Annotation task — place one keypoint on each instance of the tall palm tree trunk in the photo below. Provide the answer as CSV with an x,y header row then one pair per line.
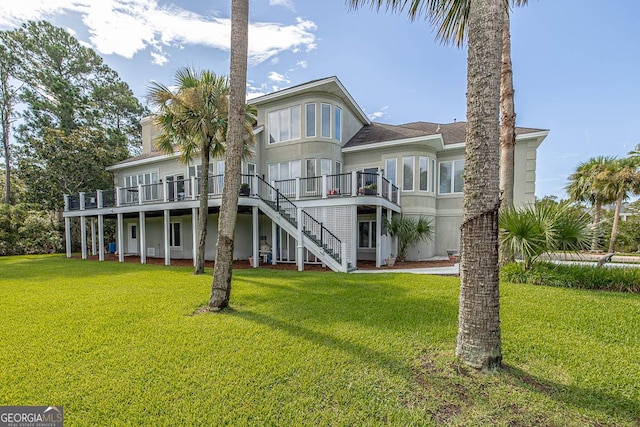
x,y
478,341
614,226
595,239
221,288
203,207
508,122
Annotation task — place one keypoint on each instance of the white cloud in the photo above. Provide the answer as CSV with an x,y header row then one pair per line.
x,y
284,3
378,114
159,58
302,64
277,77
125,27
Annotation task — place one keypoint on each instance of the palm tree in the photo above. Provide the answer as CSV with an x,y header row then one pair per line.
x,y
584,186
409,231
620,178
478,342
193,120
221,287
451,18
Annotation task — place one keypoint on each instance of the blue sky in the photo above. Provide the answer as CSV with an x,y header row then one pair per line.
x,y
575,68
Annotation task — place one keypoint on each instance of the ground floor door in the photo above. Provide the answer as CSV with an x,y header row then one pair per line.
x,y
132,238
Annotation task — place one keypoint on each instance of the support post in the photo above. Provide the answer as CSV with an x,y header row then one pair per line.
x,y
66,202
256,236
297,188
354,183
324,186
354,244
93,236
194,233
194,194
274,242
143,237
167,241
300,247
345,261
140,197
379,185
82,202
120,238
101,237
118,196
67,234
100,199
83,236
378,236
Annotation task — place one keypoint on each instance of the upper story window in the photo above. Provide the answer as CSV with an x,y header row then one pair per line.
x,y
407,173
284,125
337,123
391,170
424,173
310,120
451,176
325,111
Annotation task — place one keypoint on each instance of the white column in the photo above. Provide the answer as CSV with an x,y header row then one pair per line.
x,y
300,247
297,188
354,245
194,193
378,236
120,227
118,196
194,232
167,242
82,202
354,183
324,186
142,232
379,185
256,236
67,234
83,236
66,202
343,249
274,240
100,199
93,236
140,197
101,237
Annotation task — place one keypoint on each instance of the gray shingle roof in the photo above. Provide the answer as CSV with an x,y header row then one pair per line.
x,y
452,133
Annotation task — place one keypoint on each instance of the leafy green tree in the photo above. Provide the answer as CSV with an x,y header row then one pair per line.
x,y
585,186
409,231
194,121
237,134
67,163
66,87
24,229
8,100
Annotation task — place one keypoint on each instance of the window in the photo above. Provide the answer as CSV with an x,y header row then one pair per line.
x,y
149,192
325,167
284,125
391,169
311,172
175,234
407,173
196,170
367,234
424,174
451,176
326,121
337,123
310,127
433,175
286,172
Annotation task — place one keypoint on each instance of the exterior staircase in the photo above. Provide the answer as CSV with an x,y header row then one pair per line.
x,y
315,237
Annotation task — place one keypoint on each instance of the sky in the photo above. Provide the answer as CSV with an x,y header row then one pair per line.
x,y
575,68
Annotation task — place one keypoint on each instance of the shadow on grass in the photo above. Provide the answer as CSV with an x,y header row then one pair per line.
x,y
587,398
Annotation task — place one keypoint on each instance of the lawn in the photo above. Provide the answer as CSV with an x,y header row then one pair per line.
x,y
119,344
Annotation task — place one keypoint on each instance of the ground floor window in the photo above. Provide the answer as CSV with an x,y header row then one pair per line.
x,y
367,234
175,234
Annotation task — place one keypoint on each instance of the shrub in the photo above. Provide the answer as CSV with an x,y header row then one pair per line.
x,y
574,276
534,230
25,230
409,231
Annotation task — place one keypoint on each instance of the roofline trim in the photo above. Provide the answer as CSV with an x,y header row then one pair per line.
x,y
139,162
393,143
311,85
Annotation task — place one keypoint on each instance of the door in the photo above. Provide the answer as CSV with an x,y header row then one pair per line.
x,y
175,187
132,239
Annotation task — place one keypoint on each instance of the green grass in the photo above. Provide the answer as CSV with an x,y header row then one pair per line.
x,y
118,344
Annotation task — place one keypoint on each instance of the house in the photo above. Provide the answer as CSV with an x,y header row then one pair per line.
x,y
321,179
